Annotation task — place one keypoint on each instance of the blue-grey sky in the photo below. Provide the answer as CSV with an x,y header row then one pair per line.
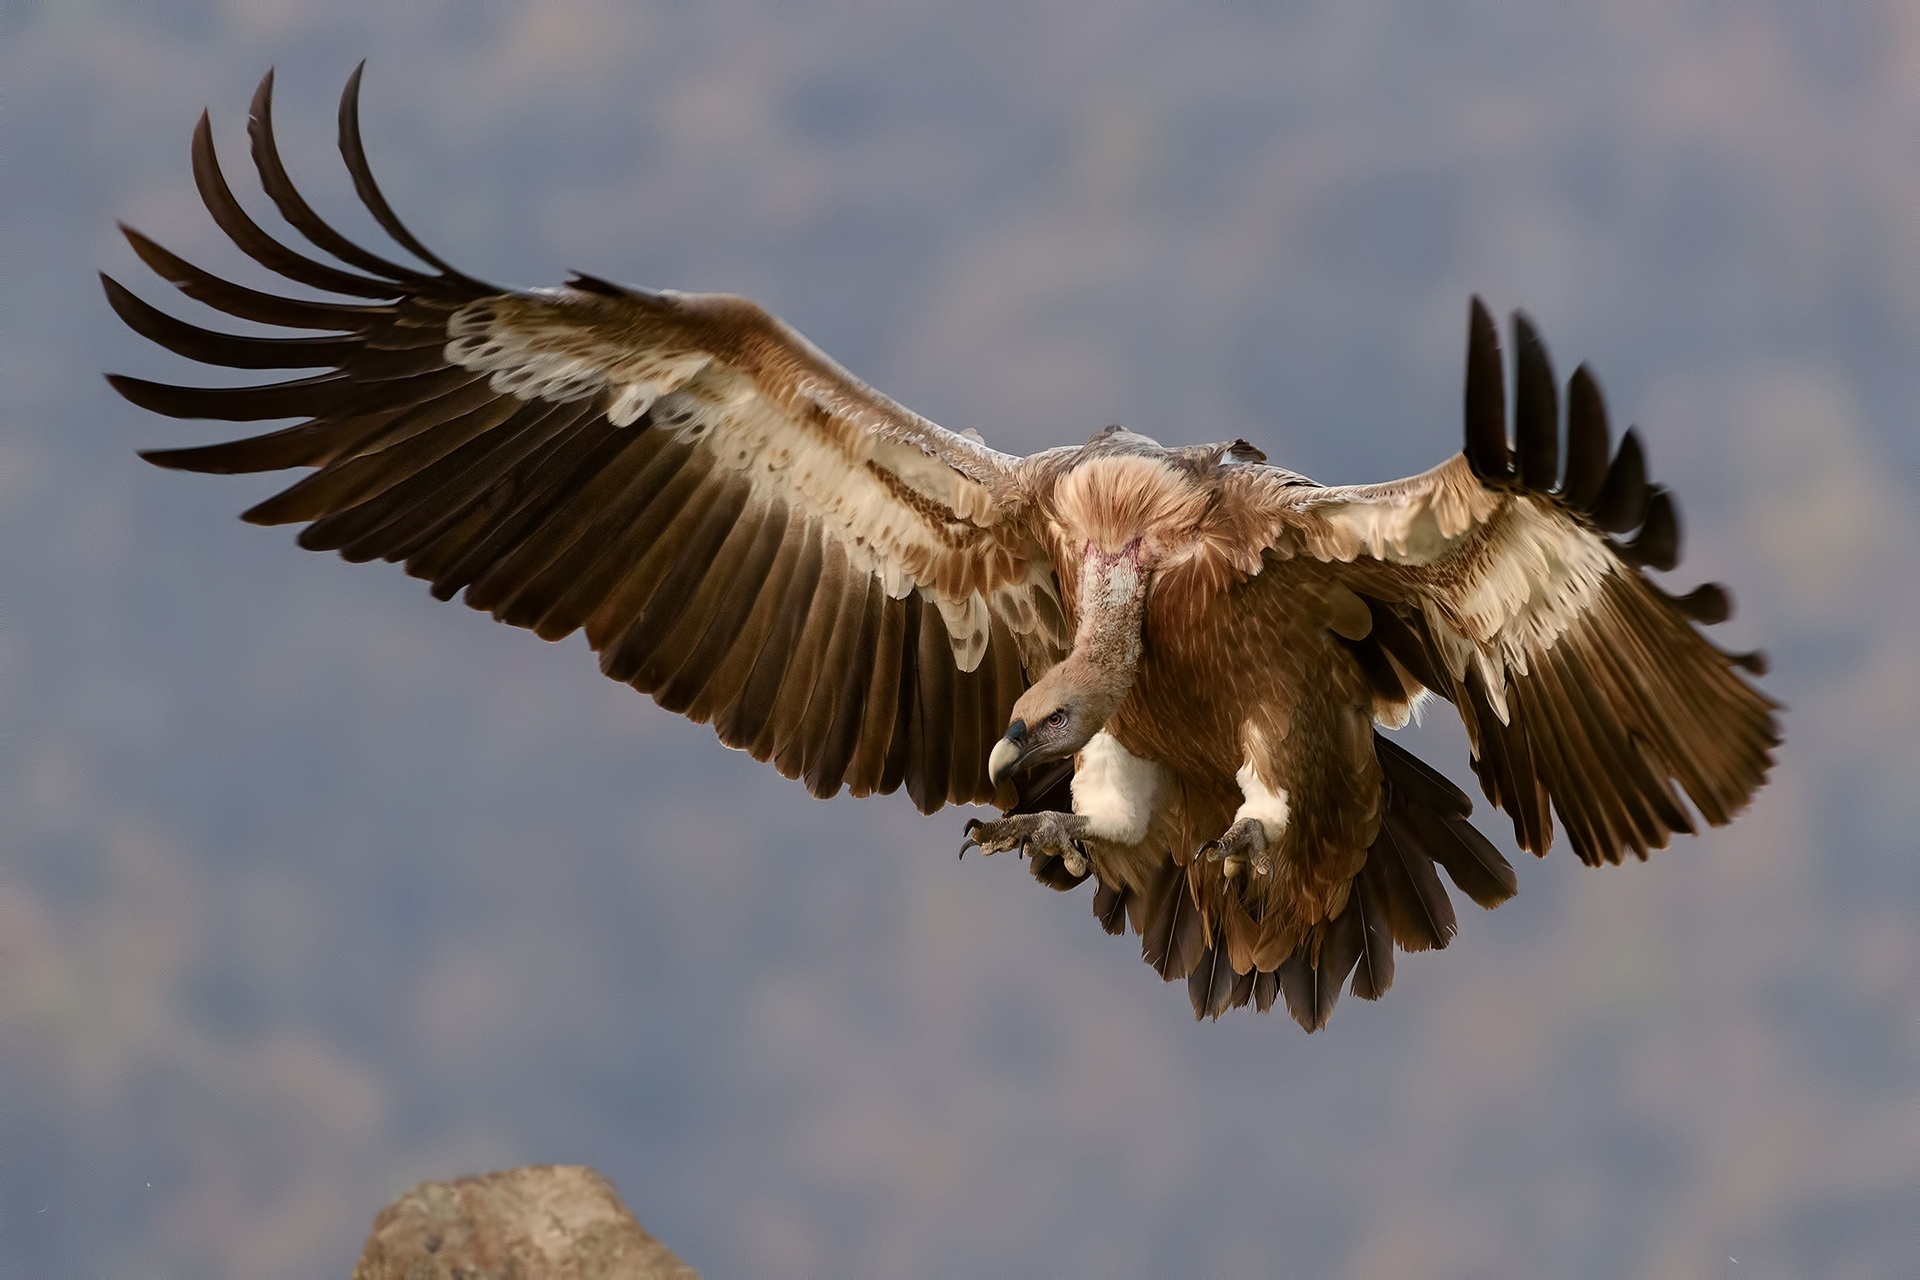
x,y
311,887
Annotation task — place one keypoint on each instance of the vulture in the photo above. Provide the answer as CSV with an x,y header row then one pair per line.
x,y
1171,670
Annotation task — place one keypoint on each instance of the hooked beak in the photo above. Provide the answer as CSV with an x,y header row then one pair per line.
x,y
1008,753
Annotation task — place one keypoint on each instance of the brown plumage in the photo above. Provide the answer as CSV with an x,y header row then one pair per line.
x,y
1171,669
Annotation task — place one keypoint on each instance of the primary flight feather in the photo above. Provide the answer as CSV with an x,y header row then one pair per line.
x,y
1169,668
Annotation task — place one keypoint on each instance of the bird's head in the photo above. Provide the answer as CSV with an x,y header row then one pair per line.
x,y
1051,721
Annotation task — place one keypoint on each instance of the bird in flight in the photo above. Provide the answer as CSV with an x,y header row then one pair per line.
x,y
1170,669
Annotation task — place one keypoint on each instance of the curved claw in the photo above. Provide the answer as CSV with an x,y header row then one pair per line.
x,y
1076,858
1243,845
1031,834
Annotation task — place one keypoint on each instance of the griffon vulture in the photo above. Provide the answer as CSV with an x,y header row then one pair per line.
x,y
1170,668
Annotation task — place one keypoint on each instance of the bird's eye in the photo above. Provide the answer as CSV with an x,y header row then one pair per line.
x,y
1057,719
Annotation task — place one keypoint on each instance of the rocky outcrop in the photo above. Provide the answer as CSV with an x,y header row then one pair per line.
x,y
540,1222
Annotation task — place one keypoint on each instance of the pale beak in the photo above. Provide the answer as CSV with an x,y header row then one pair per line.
x,y
1007,753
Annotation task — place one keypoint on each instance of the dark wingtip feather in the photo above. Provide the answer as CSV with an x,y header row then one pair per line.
x,y
170,459
247,235
1486,398
159,397
238,300
1658,545
301,398
1622,504
260,107
1588,442
1708,604
293,206
224,349
1536,418
353,151
233,457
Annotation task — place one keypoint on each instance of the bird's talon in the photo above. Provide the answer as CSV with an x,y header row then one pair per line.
x,y
1240,846
1031,835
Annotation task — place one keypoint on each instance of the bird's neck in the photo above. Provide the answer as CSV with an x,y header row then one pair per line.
x,y
1112,606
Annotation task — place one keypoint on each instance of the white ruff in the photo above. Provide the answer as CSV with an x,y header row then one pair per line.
x,y
1115,790
1267,806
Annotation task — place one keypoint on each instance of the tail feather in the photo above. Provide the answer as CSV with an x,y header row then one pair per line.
x,y
1312,983
1173,939
1417,907
1373,971
1110,906
1397,900
1215,986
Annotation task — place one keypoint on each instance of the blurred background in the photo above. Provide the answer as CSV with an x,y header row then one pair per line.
x,y
311,887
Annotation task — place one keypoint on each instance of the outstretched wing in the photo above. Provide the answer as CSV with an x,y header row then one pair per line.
x,y
1505,585
746,531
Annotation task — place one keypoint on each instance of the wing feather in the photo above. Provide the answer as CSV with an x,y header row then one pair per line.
x,y
251,240
518,502
612,574
800,666
224,350
743,529
970,738
664,591
844,714
656,644
679,673
904,758
292,205
832,679
399,523
932,711
727,698
1585,689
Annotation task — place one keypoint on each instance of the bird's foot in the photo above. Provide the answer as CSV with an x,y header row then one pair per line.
x,y
1243,847
1058,834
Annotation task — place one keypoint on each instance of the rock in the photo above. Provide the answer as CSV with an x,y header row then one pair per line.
x,y
540,1222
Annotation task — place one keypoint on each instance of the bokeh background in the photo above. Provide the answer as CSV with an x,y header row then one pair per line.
x,y
311,887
